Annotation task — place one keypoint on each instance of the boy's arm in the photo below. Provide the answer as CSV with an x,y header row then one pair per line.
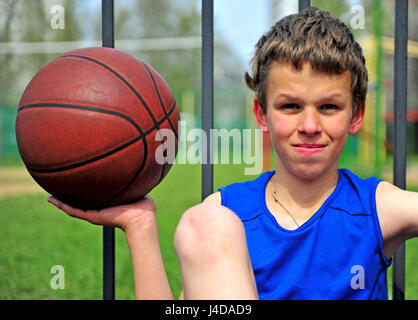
x,y
397,210
149,273
139,223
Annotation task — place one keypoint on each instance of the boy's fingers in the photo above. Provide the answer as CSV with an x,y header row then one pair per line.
x,y
55,202
66,208
106,217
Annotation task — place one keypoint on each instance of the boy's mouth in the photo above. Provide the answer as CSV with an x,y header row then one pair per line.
x,y
308,149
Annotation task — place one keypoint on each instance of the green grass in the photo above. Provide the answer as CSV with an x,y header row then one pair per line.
x,y
36,236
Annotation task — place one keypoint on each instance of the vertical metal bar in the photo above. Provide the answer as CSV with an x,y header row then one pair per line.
x,y
303,4
108,40
399,156
207,95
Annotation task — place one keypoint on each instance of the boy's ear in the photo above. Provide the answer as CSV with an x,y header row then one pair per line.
x,y
260,116
357,121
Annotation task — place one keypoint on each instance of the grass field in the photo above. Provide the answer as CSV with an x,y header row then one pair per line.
x,y
35,236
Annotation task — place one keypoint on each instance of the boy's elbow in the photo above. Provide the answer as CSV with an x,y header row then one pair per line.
x,y
214,198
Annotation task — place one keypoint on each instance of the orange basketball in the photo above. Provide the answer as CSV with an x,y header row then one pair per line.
x,y
87,127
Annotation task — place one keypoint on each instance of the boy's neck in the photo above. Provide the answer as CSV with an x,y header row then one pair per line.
x,y
304,193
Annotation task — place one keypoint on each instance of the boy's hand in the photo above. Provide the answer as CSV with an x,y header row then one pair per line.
x,y
138,220
123,216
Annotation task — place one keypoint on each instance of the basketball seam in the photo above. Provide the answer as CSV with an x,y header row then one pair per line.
x,y
130,87
76,106
142,136
79,164
103,204
165,163
85,162
120,77
159,98
91,160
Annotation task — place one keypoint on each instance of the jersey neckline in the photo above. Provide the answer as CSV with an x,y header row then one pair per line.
x,y
308,222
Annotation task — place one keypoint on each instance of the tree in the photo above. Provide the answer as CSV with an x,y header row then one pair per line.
x,y
181,68
29,21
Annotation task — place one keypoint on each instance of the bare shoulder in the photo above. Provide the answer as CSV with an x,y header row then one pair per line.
x,y
392,200
397,210
386,189
214,198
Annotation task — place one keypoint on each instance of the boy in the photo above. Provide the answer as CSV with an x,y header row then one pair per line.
x,y
307,230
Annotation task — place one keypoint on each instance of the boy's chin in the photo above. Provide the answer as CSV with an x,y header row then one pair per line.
x,y
312,172
308,176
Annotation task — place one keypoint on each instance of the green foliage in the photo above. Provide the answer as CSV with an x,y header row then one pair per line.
x,y
336,8
29,21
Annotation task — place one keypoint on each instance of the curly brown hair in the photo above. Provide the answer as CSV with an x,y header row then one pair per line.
x,y
313,36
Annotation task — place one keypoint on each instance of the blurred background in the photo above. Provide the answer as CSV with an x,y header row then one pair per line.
x,y
167,34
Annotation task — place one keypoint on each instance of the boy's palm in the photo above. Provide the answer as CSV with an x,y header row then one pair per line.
x,y
120,216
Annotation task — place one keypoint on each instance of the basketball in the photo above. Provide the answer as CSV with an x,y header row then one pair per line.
x,y
88,128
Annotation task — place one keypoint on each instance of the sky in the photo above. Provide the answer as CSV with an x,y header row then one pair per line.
x,y
242,23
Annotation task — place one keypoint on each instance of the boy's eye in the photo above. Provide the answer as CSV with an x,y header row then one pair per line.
x,y
290,106
329,107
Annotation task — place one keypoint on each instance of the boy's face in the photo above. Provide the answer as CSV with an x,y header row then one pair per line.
x,y
308,116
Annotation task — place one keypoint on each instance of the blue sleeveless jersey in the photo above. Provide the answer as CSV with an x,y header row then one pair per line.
x,y
336,254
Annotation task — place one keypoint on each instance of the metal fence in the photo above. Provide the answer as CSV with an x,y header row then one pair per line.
x,y
399,139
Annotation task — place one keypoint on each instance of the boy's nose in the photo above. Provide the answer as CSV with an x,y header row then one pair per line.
x,y
309,123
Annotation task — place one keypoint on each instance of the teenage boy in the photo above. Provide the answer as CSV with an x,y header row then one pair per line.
x,y
307,230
